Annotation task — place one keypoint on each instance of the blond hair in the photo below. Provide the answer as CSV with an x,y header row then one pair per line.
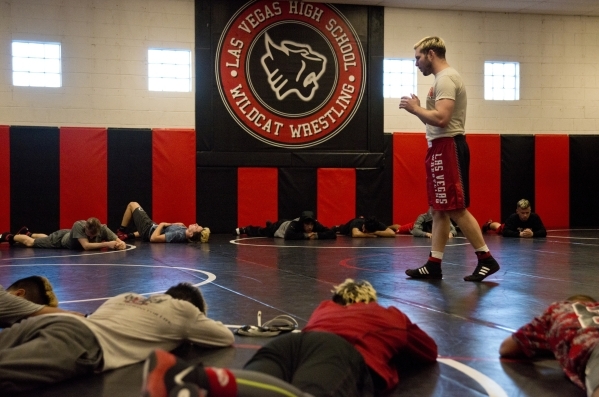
x,y
523,204
350,291
431,43
205,235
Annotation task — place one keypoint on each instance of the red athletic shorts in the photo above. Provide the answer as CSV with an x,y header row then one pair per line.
x,y
447,171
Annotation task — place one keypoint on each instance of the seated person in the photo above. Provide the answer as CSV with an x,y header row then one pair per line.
x,y
124,330
87,235
27,297
569,330
524,223
351,346
366,227
163,232
306,227
423,227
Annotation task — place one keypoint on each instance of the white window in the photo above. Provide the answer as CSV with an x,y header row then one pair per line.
x,y
36,64
399,77
169,70
502,81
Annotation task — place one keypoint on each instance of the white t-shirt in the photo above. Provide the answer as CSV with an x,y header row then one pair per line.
x,y
130,326
448,85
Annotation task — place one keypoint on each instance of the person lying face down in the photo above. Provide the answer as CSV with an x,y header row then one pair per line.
x,y
569,330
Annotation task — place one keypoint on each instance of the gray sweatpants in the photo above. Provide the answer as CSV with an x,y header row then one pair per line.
x,y
46,349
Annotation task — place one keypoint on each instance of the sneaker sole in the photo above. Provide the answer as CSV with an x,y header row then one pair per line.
x,y
154,372
417,275
478,278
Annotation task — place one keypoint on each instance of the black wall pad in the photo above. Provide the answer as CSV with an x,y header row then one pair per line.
x,y
293,159
35,178
584,180
517,171
374,188
297,191
129,171
216,198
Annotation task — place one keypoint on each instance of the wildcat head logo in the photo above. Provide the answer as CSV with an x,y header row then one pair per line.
x,y
291,74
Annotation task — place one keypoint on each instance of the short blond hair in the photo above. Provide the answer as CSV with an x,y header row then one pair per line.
x,y
431,43
351,291
523,204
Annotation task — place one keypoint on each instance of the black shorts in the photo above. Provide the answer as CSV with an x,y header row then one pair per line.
x,y
318,363
143,223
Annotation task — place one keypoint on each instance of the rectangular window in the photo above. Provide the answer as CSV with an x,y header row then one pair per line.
x,y
36,64
169,70
399,78
502,81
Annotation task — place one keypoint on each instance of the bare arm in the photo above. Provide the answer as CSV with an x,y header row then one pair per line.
x,y
157,236
385,233
116,244
438,117
355,232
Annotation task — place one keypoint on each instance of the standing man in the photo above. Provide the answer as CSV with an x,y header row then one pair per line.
x,y
447,160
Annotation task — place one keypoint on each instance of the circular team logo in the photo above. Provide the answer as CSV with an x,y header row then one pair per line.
x,y
291,74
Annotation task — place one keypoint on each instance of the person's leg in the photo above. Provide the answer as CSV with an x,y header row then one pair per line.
x,y
143,223
487,265
405,229
317,363
128,214
591,373
45,350
54,240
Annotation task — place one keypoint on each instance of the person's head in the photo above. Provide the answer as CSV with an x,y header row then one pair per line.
x,y
92,227
187,292
307,219
427,51
523,209
580,298
351,291
36,289
371,225
193,232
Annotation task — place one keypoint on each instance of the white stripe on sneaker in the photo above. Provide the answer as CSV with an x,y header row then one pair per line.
x,y
423,270
483,270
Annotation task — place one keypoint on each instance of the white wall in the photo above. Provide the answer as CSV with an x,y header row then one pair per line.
x,y
559,68
104,61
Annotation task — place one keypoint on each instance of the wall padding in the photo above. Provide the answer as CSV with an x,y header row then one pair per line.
x,y
34,178
83,175
257,190
336,195
485,176
409,177
174,175
552,184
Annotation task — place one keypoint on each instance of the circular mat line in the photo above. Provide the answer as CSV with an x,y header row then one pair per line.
x,y
211,276
239,242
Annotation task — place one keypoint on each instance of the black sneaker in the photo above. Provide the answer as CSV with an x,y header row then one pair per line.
x,y
24,230
7,237
486,226
430,270
164,375
485,268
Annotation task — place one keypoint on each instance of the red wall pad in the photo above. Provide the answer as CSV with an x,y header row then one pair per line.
x,y
335,195
485,176
552,180
409,177
83,175
257,196
5,177
174,176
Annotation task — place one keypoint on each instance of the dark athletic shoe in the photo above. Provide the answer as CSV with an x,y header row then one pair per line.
x,y
486,226
24,230
7,237
239,231
164,375
485,268
122,235
430,271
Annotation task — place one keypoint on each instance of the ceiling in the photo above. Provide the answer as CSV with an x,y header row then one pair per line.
x,y
553,7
